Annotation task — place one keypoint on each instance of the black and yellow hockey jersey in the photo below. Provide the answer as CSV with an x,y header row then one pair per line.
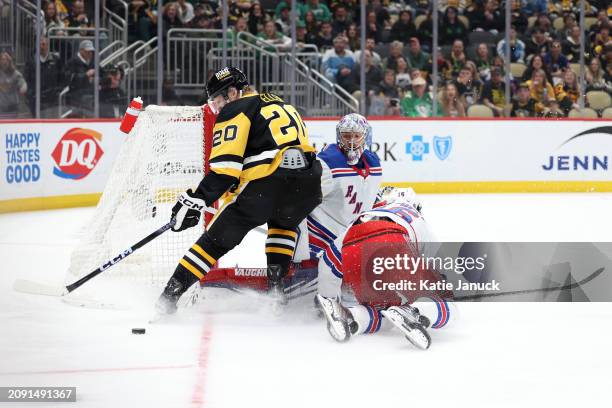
x,y
249,138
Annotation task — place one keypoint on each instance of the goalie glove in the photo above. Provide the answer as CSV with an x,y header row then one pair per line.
x,y
187,211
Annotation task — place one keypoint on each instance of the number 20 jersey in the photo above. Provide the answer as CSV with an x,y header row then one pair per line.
x,y
251,133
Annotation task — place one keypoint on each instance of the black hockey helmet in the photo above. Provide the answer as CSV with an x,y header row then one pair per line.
x,y
220,81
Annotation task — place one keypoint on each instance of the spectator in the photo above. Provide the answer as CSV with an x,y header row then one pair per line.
x,y
312,26
276,41
601,40
452,28
519,17
320,10
537,43
395,51
571,45
338,61
418,103
353,37
541,91
373,76
140,21
555,61
370,45
185,11
402,73
52,19
536,7
299,7
468,84
460,5
383,18
80,72
493,92
51,80
112,97
457,58
284,21
171,19
237,9
341,20
12,85
325,38
388,96
373,29
602,20
488,18
232,39
524,105
451,103
301,35
404,27
537,63
257,19
77,18
517,48
425,33
543,23
567,92
418,58
483,62
596,77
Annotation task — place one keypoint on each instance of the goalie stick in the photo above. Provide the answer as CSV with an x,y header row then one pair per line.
x,y
522,292
26,286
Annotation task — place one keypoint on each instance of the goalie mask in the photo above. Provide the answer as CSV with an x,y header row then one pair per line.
x,y
219,84
353,133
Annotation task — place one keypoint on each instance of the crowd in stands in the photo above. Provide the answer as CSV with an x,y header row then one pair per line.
x,y
397,55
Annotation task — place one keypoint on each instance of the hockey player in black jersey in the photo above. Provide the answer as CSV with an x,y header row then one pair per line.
x,y
266,170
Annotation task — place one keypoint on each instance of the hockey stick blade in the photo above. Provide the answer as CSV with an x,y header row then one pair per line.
x,y
522,292
38,288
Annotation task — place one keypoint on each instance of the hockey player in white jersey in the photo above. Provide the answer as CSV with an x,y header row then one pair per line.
x,y
349,182
395,227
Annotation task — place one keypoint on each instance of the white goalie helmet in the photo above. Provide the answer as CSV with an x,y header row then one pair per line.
x,y
399,195
353,134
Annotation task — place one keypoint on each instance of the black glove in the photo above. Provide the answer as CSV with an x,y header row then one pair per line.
x,y
187,211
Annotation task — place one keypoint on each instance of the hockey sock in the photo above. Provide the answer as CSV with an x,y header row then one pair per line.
x,y
280,245
368,318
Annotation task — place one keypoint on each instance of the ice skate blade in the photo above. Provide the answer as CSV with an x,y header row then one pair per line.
x,y
414,332
337,328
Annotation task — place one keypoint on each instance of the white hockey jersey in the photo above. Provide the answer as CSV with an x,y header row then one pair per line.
x,y
347,191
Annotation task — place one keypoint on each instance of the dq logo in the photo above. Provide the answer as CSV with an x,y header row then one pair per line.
x,y
77,153
442,146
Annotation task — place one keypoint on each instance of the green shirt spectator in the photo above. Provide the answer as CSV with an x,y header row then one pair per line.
x,y
299,6
418,103
320,10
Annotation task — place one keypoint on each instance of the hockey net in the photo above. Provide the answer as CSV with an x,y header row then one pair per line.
x,y
164,154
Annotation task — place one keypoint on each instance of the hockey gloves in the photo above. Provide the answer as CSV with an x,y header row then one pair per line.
x,y
187,211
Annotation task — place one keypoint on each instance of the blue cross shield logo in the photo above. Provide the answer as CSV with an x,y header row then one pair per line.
x,y
442,146
417,148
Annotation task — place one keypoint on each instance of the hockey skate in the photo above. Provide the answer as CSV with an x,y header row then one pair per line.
x,y
340,323
166,304
275,288
408,320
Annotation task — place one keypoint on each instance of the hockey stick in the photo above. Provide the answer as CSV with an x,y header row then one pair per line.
x,y
26,286
522,292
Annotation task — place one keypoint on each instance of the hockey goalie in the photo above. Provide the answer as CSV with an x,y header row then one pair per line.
x,y
394,229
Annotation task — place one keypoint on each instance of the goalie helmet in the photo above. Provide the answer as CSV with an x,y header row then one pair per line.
x,y
353,134
220,82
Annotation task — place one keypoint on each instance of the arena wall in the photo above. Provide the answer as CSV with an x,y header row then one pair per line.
x,y
56,163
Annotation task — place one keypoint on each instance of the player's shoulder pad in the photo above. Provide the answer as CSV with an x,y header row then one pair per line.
x,y
371,158
245,105
333,156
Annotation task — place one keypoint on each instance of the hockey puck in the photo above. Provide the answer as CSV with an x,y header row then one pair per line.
x,y
138,331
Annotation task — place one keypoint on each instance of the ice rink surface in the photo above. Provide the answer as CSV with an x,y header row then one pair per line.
x,y
490,355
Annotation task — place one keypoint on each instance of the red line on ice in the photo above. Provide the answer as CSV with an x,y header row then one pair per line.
x,y
199,392
99,370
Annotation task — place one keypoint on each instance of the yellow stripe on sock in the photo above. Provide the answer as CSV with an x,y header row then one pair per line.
x,y
202,252
191,268
283,251
278,231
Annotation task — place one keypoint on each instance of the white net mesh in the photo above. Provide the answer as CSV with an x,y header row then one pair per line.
x,y
162,156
